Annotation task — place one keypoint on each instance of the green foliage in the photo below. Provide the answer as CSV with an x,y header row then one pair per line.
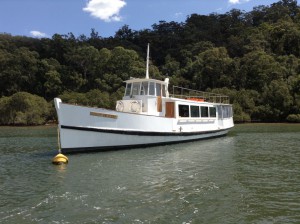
x,y
93,98
293,118
239,114
84,59
74,98
254,57
277,95
214,66
23,109
53,84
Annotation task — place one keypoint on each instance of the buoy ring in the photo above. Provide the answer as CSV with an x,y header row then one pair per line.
x,y
120,106
135,106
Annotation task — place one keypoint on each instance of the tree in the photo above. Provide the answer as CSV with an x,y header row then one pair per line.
x,y
95,39
125,33
93,98
23,109
84,59
7,84
59,46
171,66
120,65
53,85
214,66
203,28
257,15
276,102
253,55
18,70
257,69
283,37
281,10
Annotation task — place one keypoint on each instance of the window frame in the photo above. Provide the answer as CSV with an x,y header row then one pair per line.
x,y
145,90
128,87
204,112
214,109
138,85
191,111
182,111
151,84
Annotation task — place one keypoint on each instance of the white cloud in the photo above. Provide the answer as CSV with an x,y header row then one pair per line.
x,y
233,2
37,34
178,14
107,10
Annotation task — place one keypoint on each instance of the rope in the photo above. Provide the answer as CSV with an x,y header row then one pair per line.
x,y
58,140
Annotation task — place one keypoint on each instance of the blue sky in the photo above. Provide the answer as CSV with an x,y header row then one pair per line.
x,y
43,18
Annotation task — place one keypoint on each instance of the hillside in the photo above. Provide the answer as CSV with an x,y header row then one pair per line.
x,y
254,57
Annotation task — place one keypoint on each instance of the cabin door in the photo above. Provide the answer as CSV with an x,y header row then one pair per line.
x,y
159,104
170,112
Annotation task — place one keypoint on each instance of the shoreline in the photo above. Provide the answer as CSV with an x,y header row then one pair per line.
x,y
235,123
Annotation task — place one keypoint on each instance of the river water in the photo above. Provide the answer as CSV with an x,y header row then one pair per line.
x,y
250,176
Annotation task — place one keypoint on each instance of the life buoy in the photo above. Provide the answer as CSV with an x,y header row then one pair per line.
x,y
196,99
135,106
120,106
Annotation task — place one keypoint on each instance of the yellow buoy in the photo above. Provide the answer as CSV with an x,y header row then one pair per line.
x,y
60,159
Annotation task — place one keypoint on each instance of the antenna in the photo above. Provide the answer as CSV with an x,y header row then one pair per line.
x,y
147,63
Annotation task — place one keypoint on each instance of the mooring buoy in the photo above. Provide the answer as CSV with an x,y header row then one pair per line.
x,y
60,159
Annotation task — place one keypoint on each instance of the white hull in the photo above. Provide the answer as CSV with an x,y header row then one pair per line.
x,y
88,139
88,129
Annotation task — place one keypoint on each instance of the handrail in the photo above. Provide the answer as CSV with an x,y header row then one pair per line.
x,y
185,93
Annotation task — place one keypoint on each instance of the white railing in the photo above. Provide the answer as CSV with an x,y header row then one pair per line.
x,y
185,93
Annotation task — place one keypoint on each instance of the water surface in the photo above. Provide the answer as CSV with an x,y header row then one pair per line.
x,y
250,176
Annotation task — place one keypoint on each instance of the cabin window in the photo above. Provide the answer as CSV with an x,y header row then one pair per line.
x,y
128,89
135,88
158,89
144,88
163,90
151,89
212,112
183,111
227,111
195,111
220,112
204,111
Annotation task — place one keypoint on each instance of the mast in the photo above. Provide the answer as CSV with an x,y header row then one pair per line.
x,y
147,63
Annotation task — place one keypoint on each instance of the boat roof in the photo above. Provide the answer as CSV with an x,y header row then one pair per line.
x,y
132,80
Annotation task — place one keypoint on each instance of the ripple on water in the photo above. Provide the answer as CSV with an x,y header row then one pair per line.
x,y
249,177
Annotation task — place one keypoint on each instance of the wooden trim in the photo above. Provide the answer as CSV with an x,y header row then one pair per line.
x,y
97,114
170,109
159,104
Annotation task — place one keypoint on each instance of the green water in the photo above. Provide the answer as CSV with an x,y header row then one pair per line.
x,y
250,176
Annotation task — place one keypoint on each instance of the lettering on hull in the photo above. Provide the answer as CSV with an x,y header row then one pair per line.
x,y
97,114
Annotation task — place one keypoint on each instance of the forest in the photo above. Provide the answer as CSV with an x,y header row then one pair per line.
x,y
253,57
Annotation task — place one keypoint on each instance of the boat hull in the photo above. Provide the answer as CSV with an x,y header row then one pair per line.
x,y
83,129
84,139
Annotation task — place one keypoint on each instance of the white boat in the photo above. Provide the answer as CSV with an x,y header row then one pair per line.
x,y
147,115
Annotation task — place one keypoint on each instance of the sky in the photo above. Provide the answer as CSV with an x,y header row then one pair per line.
x,y
44,18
